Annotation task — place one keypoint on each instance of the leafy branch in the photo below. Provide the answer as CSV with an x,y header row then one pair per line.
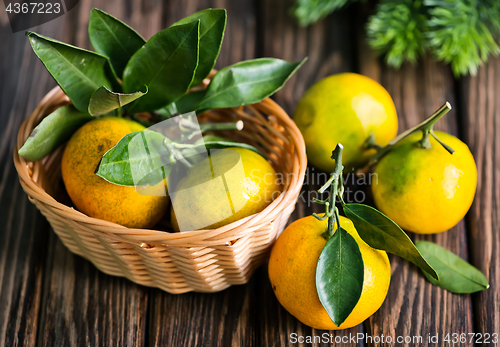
x,y
130,76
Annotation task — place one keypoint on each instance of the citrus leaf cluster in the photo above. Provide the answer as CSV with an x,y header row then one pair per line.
x,y
128,74
340,269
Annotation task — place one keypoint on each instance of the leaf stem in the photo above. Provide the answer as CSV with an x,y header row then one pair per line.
x,y
371,142
332,212
426,128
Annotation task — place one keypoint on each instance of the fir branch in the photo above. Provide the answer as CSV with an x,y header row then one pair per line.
x,y
397,30
462,32
310,11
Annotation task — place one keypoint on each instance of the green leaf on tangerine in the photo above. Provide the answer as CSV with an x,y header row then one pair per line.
x,y
139,158
339,276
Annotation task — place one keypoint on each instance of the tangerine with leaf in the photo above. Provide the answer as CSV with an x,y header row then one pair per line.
x,y
332,272
322,272
95,196
293,277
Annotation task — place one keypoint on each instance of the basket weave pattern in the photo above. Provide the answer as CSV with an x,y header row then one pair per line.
x,y
202,260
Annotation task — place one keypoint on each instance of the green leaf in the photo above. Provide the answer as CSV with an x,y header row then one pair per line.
x,y
455,274
380,232
113,39
79,72
53,130
339,276
185,104
166,64
212,26
247,82
310,11
139,158
104,100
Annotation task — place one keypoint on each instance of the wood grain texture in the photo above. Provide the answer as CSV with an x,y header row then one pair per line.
x,y
74,304
413,306
329,47
226,318
23,231
481,128
82,306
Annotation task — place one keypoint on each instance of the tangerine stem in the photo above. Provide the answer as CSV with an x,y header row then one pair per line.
x,y
425,126
332,212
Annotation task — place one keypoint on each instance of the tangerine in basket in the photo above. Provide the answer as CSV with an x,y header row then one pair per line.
x,y
292,273
345,108
93,195
229,184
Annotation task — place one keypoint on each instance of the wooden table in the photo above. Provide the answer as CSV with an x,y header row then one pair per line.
x,y
50,297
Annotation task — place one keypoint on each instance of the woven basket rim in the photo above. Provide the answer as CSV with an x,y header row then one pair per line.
x,y
56,97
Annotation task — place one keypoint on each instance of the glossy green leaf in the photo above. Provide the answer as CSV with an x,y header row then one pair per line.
x,y
212,26
53,130
185,104
339,276
113,39
166,64
104,100
247,82
79,72
139,158
455,274
380,232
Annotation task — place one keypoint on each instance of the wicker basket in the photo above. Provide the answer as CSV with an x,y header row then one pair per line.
x,y
204,260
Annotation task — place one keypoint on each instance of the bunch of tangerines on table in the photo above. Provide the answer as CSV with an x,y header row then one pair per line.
x,y
328,270
331,271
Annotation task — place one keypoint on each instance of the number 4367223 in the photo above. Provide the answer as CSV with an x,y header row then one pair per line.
x,y
478,338
33,7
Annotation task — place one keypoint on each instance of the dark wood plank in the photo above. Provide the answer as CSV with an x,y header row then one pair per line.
x,y
413,306
329,46
23,231
226,318
79,305
82,306
481,119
